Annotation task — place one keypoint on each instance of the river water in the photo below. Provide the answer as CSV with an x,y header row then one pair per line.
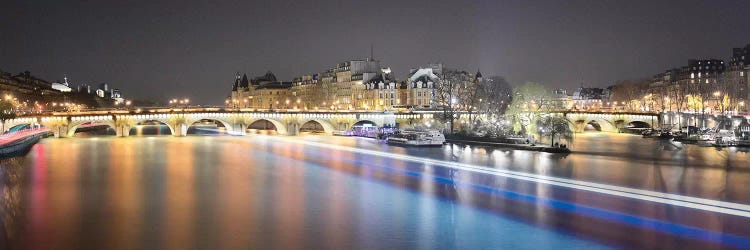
x,y
275,192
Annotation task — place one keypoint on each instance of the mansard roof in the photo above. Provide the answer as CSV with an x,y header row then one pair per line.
x,y
269,77
423,78
275,85
377,78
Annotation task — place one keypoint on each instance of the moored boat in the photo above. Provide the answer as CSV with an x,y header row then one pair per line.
x,y
417,138
20,144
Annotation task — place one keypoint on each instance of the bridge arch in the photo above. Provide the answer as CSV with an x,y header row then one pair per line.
x,y
75,124
214,117
605,122
592,125
280,127
364,121
578,124
639,124
160,121
327,126
224,123
364,128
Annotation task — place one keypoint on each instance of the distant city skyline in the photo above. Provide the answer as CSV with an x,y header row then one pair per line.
x,y
174,49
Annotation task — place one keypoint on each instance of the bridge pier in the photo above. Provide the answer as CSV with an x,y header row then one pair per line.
x,y
239,129
292,128
60,131
180,130
122,131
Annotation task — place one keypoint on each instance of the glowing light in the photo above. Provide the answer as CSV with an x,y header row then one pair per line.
x,y
640,194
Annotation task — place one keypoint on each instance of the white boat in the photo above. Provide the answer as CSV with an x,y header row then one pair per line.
x,y
417,138
721,138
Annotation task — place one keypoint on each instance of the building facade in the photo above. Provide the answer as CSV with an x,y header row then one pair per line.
x,y
590,98
261,92
702,86
419,89
350,85
737,76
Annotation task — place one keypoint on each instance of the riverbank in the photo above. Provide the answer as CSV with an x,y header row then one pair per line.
x,y
529,147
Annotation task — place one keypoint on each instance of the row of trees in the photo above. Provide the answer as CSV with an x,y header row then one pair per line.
x,y
723,93
494,107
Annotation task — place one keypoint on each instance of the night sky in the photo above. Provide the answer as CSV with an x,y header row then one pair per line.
x,y
193,49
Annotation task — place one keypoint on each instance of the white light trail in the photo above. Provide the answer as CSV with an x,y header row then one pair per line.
x,y
634,193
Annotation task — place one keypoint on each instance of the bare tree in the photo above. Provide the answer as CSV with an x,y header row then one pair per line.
x,y
495,96
469,97
630,93
456,91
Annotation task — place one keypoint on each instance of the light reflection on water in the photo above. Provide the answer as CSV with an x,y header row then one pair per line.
x,y
240,192
619,159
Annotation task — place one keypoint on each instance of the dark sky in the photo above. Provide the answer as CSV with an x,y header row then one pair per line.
x,y
192,49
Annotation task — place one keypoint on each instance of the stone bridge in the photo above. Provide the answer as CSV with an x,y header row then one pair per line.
x,y
235,121
65,124
607,122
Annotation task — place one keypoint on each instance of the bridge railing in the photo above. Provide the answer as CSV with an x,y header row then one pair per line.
x,y
573,111
163,110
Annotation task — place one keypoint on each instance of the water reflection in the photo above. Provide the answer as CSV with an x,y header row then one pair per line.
x,y
632,161
257,192
11,191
